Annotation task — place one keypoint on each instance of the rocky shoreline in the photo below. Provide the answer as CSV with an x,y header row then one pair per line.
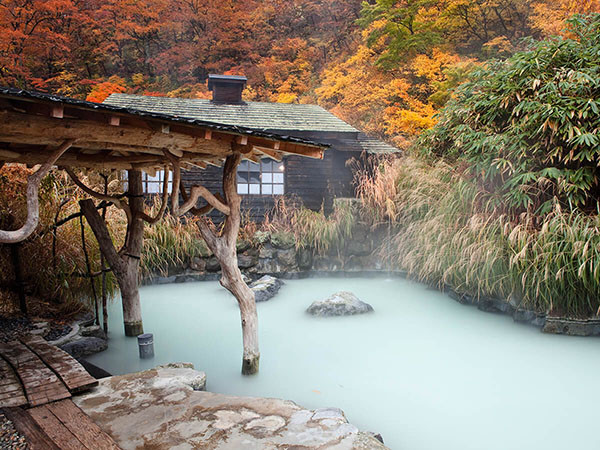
x,y
168,407
512,307
276,255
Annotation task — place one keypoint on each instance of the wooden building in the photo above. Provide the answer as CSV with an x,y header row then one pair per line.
x,y
44,130
315,182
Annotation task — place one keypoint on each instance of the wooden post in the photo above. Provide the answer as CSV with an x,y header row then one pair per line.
x,y
16,260
132,310
124,264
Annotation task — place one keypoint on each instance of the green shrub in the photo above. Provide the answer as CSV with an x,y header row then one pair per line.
x,y
529,127
444,233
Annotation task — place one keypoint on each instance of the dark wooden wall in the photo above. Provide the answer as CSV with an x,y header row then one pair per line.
x,y
313,181
227,93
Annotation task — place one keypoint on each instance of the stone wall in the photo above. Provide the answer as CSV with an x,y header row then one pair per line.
x,y
277,254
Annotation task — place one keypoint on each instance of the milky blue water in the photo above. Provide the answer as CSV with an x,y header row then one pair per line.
x,y
422,370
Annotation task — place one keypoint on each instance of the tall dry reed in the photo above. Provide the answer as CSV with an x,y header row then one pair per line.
x,y
443,234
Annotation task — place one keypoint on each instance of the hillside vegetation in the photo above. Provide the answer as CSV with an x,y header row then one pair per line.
x,y
505,201
495,102
384,66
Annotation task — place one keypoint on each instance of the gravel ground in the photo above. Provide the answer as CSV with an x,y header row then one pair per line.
x,y
9,437
57,330
11,327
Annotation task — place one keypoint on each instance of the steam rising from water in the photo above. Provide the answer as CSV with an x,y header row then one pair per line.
x,y
424,371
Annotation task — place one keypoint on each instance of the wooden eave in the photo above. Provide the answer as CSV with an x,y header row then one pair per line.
x,y
108,137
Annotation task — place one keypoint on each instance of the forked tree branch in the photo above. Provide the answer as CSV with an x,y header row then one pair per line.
x,y
118,202
165,200
98,226
206,209
33,202
196,192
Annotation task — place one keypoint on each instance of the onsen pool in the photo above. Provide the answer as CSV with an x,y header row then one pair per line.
x,y
422,370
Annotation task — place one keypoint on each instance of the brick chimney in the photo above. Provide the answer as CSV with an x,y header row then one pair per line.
x,y
226,88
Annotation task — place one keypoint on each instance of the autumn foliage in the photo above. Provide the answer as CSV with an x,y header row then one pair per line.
x,y
385,66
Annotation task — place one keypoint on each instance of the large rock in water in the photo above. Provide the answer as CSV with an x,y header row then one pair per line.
x,y
342,303
84,346
265,288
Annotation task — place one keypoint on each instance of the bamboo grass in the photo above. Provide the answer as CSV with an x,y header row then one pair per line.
x,y
444,234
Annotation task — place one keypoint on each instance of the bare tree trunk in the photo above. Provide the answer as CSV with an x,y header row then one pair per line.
x,y
130,298
224,248
125,265
233,282
130,295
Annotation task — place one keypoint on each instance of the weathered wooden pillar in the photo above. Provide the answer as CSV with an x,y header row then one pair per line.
x,y
232,281
223,245
130,295
124,264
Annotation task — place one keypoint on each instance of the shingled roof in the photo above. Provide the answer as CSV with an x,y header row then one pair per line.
x,y
95,135
255,115
263,116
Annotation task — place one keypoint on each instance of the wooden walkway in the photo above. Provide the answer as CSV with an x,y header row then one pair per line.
x,y
59,425
35,373
42,377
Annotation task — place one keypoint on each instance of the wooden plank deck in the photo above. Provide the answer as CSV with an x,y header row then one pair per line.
x,y
59,425
40,383
36,374
11,391
37,439
72,374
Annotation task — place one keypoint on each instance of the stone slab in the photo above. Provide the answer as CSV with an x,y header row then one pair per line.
x,y
159,408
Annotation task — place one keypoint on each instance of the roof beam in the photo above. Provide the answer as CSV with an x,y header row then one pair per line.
x,y
33,128
277,156
244,149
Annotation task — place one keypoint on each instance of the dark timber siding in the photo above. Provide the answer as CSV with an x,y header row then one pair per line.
x,y
255,206
313,181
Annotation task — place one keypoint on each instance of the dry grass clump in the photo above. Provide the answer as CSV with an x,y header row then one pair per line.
x,y
313,229
557,265
443,234
171,242
52,259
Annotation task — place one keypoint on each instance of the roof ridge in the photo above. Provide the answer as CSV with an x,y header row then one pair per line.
x,y
205,100
258,115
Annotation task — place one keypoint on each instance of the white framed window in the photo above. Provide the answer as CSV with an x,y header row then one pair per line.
x,y
263,178
152,184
